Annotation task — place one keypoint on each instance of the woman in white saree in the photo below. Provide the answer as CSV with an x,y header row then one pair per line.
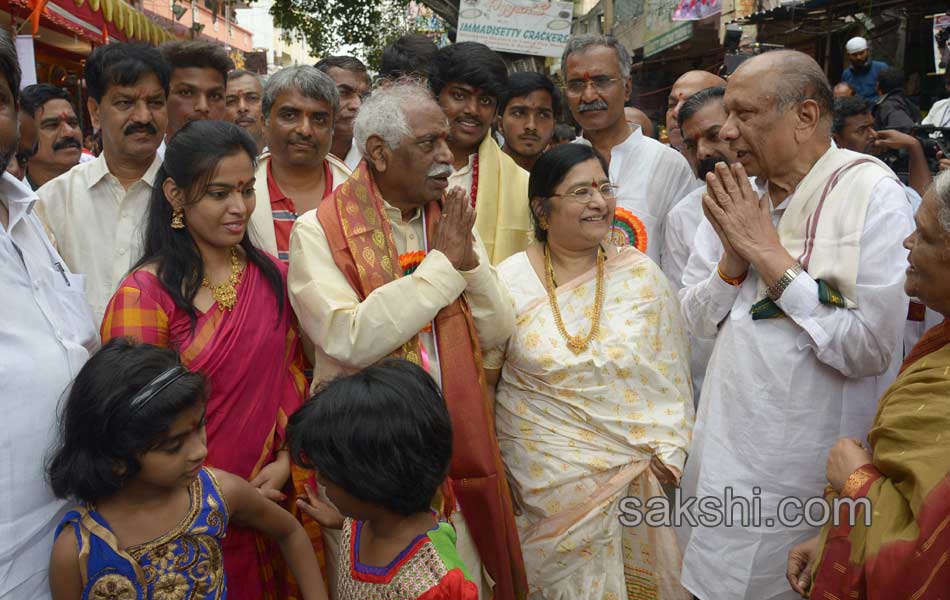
x,y
593,400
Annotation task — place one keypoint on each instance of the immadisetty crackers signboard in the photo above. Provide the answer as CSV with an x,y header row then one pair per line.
x,y
520,26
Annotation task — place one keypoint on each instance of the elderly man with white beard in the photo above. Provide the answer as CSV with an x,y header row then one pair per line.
x,y
802,289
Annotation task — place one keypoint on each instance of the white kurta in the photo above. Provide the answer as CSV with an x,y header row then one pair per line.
x,y
46,334
652,178
779,392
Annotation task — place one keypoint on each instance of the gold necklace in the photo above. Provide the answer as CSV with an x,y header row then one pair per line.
x,y
575,343
225,294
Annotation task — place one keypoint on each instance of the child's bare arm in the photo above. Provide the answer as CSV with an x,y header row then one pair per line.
x,y
248,507
65,580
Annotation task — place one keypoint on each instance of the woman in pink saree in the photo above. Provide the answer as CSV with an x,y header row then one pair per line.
x,y
204,290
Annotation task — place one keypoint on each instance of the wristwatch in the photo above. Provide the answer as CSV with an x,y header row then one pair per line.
x,y
775,290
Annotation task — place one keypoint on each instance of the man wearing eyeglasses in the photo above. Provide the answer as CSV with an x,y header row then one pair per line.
x,y
352,81
651,177
468,79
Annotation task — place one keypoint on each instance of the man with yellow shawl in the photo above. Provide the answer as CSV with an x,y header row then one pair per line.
x,y
903,551
383,268
468,79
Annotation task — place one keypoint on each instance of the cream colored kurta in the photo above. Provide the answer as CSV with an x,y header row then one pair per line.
x,y
98,226
577,431
349,335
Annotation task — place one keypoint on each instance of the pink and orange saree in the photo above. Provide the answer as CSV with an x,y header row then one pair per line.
x,y
251,356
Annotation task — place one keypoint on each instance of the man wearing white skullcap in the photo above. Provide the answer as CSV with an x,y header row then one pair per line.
x,y
863,72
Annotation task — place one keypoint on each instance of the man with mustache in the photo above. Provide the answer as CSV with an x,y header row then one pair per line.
x,y
468,79
199,79
802,288
651,177
95,211
863,73
300,106
389,265
242,101
59,133
700,118
527,116
352,81
685,86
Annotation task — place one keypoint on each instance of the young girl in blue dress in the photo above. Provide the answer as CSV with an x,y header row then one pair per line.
x,y
151,520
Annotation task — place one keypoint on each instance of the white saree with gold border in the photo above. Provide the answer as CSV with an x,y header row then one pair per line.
x,y
577,431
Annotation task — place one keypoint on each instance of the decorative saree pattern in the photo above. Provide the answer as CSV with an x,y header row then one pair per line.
x,y
905,552
252,358
577,431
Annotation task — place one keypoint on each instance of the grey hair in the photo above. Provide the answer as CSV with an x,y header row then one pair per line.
x,y
309,81
383,114
582,43
797,77
941,191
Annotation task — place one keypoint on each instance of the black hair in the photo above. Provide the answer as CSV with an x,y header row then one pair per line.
x,y
409,56
101,434
890,80
698,100
10,66
549,172
347,63
197,54
33,97
523,83
470,63
191,157
564,133
123,64
849,106
383,435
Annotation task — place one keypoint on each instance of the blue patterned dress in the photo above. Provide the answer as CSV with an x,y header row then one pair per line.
x,y
183,564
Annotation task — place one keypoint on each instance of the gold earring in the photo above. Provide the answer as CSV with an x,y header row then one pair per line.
x,y
178,220
543,222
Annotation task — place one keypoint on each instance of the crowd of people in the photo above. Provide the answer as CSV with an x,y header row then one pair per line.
x,y
328,335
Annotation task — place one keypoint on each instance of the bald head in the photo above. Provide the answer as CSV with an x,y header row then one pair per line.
x,y
843,90
635,116
788,78
688,84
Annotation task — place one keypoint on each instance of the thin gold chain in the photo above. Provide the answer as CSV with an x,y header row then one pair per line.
x,y
225,294
575,343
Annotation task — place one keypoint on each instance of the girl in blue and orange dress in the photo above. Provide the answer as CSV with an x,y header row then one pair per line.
x,y
380,442
152,516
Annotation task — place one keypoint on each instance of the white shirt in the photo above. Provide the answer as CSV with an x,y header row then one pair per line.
x,y
939,114
46,334
652,178
98,225
353,157
463,177
780,392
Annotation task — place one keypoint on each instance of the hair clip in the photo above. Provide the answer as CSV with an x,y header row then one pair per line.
x,y
155,386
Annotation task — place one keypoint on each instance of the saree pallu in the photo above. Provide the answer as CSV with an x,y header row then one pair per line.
x,y
577,431
252,359
905,552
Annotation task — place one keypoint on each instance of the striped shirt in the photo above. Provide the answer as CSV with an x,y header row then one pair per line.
x,y
285,213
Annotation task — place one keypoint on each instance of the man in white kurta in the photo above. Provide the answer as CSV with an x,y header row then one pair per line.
x,y
96,211
651,177
780,391
350,333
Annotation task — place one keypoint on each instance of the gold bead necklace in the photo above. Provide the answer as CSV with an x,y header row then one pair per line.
x,y
225,294
575,343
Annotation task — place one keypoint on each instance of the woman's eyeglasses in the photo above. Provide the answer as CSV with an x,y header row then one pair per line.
x,y
584,195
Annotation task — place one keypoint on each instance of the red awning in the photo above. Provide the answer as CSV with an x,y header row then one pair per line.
x,y
96,21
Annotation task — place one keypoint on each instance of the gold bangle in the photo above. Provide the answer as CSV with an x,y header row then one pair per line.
x,y
856,481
